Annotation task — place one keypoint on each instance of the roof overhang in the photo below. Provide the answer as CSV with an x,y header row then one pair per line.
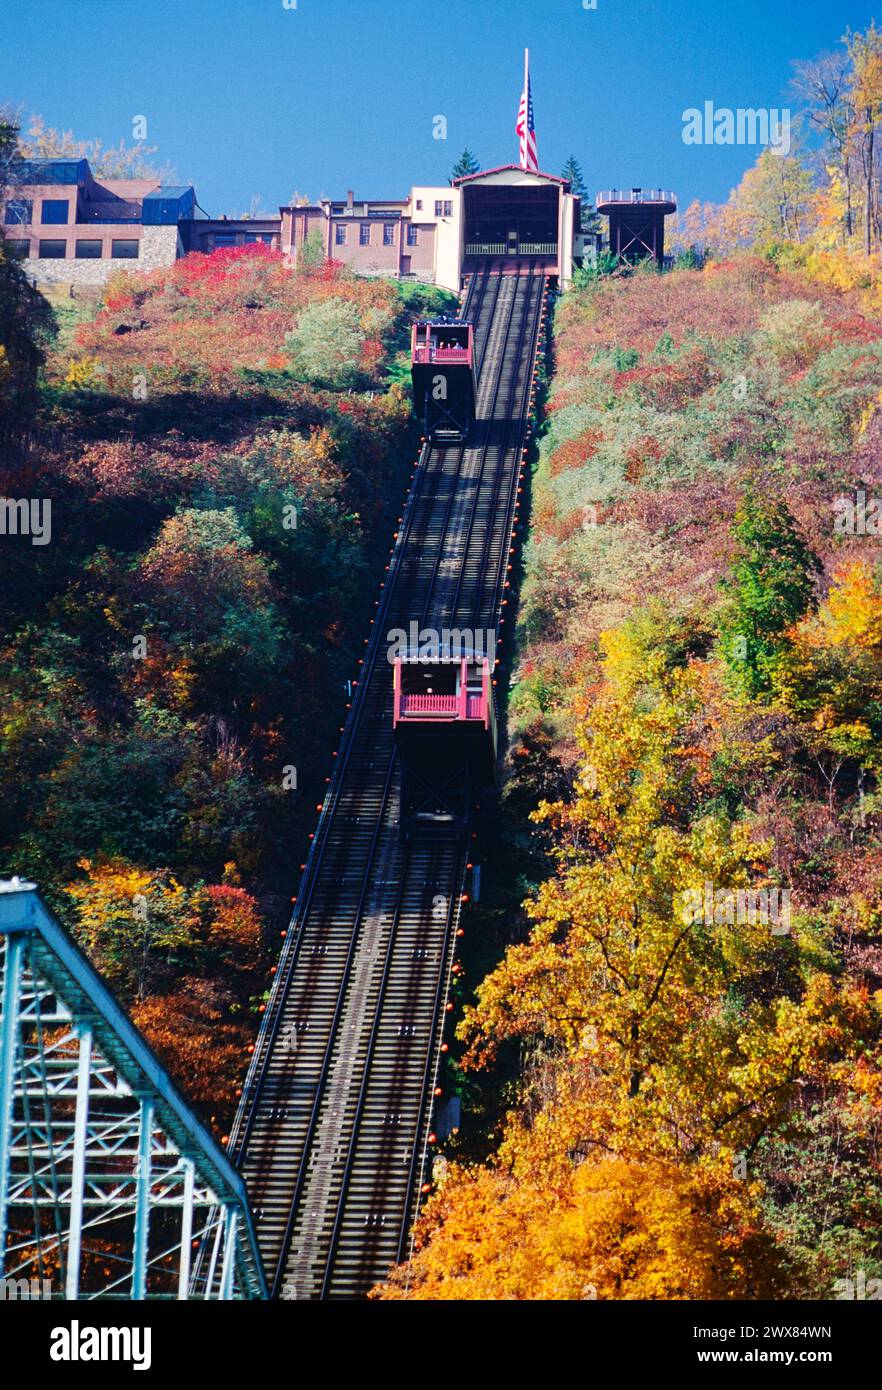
x,y
512,174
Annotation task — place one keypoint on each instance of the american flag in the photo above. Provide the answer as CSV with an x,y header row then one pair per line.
x,y
525,128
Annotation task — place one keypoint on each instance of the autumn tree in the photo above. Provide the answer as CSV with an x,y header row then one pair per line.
x,y
136,925
772,201
619,975
210,597
608,1230
865,95
120,161
830,675
824,84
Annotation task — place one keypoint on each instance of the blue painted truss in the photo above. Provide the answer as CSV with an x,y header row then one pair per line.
x,y
109,1185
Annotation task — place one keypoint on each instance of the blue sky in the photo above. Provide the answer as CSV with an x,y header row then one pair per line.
x,y
246,97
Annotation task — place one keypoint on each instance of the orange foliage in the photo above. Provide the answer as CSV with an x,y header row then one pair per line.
x,y
612,1230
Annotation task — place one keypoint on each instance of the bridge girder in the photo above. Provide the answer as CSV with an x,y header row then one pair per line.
x,y
108,1182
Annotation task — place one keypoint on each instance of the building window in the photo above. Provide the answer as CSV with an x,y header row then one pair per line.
x,y
339,235
53,250
389,234
88,250
19,212
438,206
54,212
448,209
364,234
124,250
419,204
412,235
19,249
265,237
224,239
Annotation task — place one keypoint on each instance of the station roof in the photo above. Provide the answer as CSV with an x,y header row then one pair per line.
x,y
526,176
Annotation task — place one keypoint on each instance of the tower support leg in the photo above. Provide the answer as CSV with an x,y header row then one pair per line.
x,y
78,1173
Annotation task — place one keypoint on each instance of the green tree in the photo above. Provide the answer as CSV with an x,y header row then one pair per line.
x,y
769,589
325,346
466,164
27,323
572,170
312,253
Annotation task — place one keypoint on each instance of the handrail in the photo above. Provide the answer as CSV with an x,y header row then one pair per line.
x,y
428,704
635,196
432,354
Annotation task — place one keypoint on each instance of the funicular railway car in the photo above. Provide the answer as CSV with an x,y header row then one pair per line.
x,y
442,370
444,717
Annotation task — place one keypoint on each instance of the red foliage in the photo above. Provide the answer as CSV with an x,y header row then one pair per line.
x,y
642,452
668,385
203,321
574,453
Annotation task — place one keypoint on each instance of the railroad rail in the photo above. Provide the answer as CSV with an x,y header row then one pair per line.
x,y
332,1134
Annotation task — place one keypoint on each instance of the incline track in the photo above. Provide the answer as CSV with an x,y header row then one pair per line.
x,y
332,1133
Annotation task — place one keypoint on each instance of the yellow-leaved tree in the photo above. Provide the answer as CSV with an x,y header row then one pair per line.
x,y
666,1022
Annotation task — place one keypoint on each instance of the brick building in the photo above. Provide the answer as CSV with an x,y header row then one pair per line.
x,y
72,228
404,237
439,233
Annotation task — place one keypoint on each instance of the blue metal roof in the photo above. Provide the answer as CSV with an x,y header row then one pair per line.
x,y
50,171
167,205
169,190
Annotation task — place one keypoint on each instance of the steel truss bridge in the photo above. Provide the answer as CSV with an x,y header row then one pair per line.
x,y
107,1181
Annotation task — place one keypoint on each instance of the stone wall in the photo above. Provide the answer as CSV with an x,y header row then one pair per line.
x,y
159,246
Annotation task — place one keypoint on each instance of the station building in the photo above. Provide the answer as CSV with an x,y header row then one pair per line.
x,y
72,228
439,234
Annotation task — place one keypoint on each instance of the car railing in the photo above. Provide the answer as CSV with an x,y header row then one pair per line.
x,y
435,354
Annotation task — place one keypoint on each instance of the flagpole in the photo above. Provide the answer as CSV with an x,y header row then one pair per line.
x,y
526,105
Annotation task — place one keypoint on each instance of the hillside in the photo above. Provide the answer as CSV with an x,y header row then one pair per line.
x,y
225,448
692,996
